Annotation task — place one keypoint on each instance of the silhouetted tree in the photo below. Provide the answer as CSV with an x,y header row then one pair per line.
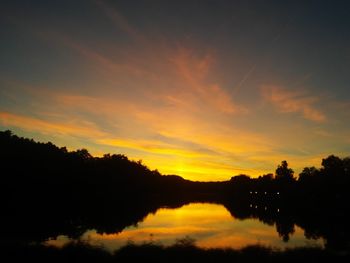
x,y
308,173
284,173
346,164
285,228
240,185
48,191
333,166
242,178
267,177
83,154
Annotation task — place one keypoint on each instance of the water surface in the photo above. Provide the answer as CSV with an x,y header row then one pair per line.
x,y
211,225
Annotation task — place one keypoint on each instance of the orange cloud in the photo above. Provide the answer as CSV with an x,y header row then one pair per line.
x,y
190,142
194,71
153,146
289,101
148,98
176,96
72,128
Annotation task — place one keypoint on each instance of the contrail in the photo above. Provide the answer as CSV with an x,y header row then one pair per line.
x,y
252,69
244,79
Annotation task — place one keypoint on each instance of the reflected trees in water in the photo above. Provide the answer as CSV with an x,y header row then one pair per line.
x,y
49,191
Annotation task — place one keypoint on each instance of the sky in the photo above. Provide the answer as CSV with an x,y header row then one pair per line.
x,y
202,89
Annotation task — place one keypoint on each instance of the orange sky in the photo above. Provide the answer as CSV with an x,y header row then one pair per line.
x,y
197,109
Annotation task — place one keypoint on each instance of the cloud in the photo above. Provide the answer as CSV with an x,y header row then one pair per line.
x,y
194,71
155,146
120,21
178,76
73,128
183,134
169,109
287,101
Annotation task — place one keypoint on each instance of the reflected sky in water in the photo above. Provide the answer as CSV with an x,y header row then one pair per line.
x,y
211,225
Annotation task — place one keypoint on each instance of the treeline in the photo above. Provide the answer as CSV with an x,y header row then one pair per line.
x,y
52,171
315,188
316,200
48,191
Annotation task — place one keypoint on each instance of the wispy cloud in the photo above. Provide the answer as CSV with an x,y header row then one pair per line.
x,y
159,146
73,128
168,108
176,76
120,21
287,101
194,71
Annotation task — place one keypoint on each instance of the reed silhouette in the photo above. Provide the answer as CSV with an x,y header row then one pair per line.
x,y
48,191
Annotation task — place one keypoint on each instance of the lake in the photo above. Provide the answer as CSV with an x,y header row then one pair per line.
x,y
210,225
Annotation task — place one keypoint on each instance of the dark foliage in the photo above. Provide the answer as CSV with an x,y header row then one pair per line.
x,y
48,191
149,252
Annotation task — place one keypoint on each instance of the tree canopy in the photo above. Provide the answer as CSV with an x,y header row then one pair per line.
x,y
283,172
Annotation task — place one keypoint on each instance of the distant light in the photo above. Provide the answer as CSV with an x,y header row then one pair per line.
x,y
256,192
265,193
265,208
251,205
278,193
256,206
250,192
278,209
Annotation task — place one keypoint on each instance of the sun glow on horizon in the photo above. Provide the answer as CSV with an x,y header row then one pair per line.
x,y
205,105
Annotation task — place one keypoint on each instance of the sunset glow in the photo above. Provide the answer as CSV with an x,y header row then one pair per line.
x,y
209,225
206,96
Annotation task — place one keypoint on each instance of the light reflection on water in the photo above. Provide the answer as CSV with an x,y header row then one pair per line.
x,y
211,225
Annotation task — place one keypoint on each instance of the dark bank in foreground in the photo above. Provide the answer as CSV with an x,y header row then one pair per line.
x,y
182,251
48,191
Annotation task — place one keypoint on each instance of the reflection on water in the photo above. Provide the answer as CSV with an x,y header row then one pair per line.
x,y
211,225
